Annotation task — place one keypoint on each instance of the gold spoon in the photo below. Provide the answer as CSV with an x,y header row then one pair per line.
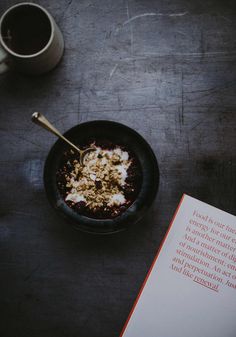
x,y
39,119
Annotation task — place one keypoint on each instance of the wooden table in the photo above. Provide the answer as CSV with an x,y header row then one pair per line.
x,y
166,69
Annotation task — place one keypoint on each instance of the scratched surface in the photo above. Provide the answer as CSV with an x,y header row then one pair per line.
x,y
165,68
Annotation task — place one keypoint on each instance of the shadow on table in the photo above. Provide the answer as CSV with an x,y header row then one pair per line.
x,y
117,242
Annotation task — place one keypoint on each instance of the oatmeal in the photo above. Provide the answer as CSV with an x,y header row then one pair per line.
x,y
105,185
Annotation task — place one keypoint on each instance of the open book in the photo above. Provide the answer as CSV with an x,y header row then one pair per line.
x,y
190,290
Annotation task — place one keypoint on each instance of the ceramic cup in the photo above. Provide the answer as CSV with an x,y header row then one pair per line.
x,y
30,40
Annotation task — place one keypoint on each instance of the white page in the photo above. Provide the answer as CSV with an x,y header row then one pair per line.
x,y
198,297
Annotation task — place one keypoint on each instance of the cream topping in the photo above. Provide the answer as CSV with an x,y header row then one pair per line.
x,y
101,181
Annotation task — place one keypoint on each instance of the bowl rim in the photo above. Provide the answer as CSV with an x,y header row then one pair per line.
x,y
118,223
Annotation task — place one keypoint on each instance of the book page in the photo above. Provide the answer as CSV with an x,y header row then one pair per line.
x,y
191,289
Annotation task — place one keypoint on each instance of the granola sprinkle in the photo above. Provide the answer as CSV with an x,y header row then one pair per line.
x,y
102,185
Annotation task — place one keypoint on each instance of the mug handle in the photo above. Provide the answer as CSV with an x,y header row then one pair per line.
x,y
3,57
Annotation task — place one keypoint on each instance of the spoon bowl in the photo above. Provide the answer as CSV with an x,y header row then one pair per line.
x,y
42,121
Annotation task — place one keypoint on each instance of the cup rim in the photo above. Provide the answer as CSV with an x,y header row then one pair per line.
x,y
10,51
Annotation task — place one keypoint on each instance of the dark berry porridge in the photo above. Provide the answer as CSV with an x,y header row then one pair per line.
x,y
106,185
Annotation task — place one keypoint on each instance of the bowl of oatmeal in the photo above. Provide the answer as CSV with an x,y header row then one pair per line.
x,y
114,187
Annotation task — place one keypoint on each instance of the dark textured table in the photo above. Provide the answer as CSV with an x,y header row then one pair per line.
x,y
165,68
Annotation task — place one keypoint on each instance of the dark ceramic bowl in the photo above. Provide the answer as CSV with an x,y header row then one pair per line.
x,y
118,134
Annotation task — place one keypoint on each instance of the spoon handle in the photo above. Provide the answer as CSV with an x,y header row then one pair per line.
x,y
42,121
